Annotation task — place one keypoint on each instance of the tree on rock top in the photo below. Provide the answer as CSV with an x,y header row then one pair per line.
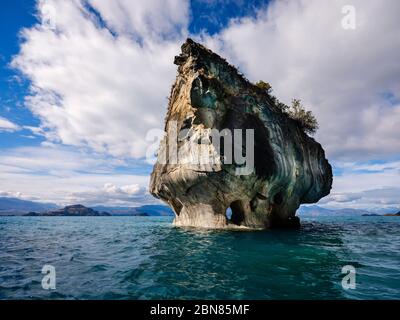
x,y
306,119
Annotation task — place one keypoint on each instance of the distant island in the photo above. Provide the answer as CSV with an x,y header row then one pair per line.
x,y
76,210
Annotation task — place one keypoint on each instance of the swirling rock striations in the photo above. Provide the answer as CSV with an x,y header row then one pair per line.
x,y
194,173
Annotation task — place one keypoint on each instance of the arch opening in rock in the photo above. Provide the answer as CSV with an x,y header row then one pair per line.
x,y
237,209
228,213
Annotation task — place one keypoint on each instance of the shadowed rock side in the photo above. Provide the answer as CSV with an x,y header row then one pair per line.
x,y
289,166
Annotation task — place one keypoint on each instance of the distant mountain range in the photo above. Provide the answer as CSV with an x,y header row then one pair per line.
x,y
14,206
320,211
18,207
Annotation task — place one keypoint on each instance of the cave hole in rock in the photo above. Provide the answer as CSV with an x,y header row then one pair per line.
x,y
278,198
235,212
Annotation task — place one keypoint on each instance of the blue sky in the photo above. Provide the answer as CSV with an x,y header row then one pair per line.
x,y
21,14
75,103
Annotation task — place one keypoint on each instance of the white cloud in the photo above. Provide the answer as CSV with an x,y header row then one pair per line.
x,y
360,177
9,194
151,19
369,167
343,197
65,176
54,161
344,76
379,198
110,194
102,83
7,125
365,185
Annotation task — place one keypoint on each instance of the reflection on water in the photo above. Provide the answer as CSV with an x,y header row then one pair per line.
x,y
147,258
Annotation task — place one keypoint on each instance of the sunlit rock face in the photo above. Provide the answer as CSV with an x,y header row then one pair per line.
x,y
194,172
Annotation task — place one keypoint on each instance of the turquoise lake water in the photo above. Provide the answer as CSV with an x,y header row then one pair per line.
x,y
148,258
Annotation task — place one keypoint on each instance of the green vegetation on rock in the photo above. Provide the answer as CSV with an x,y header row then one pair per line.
x,y
305,119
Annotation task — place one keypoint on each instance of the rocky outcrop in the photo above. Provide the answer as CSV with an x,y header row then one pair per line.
x,y
392,214
200,174
76,210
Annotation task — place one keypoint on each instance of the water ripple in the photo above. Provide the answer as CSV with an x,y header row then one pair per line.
x,y
147,258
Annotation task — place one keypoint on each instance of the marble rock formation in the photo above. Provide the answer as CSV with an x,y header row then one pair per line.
x,y
199,175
